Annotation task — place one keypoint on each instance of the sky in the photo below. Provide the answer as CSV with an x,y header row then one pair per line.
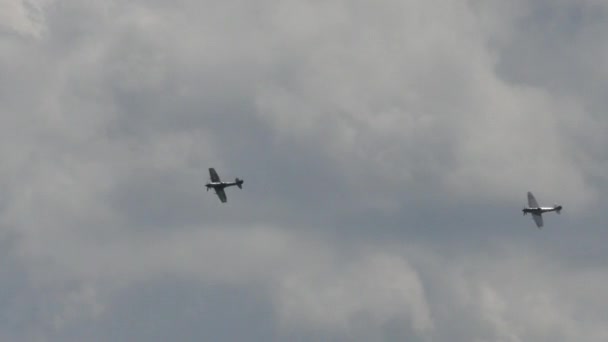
x,y
386,146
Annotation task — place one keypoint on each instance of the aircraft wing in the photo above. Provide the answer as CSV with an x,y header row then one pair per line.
x,y
221,194
532,201
538,219
213,175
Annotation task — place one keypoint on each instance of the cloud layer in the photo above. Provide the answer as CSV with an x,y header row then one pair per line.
x,y
386,149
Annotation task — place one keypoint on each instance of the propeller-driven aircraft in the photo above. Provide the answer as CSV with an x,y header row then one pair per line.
x,y
217,185
537,211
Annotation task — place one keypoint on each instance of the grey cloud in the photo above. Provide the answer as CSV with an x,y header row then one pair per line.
x,y
372,111
23,18
356,126
188,312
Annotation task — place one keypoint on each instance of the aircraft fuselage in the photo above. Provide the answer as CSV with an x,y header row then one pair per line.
x,y
541,210
221,185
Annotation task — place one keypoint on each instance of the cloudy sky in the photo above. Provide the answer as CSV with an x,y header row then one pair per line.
x,y
386,147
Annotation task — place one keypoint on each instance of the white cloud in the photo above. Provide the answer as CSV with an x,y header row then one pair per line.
x,y
24,17
379,288
517,294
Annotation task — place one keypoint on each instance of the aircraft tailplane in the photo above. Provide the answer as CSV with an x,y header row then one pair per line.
x,y
239,183
558,209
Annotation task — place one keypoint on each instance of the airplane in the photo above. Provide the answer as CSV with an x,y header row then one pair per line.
x,y
219,186
537,211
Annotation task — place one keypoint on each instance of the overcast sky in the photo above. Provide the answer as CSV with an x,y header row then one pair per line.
x,y
386,146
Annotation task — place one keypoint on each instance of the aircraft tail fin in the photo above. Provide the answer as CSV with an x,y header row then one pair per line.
x,y
239,183
558,209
